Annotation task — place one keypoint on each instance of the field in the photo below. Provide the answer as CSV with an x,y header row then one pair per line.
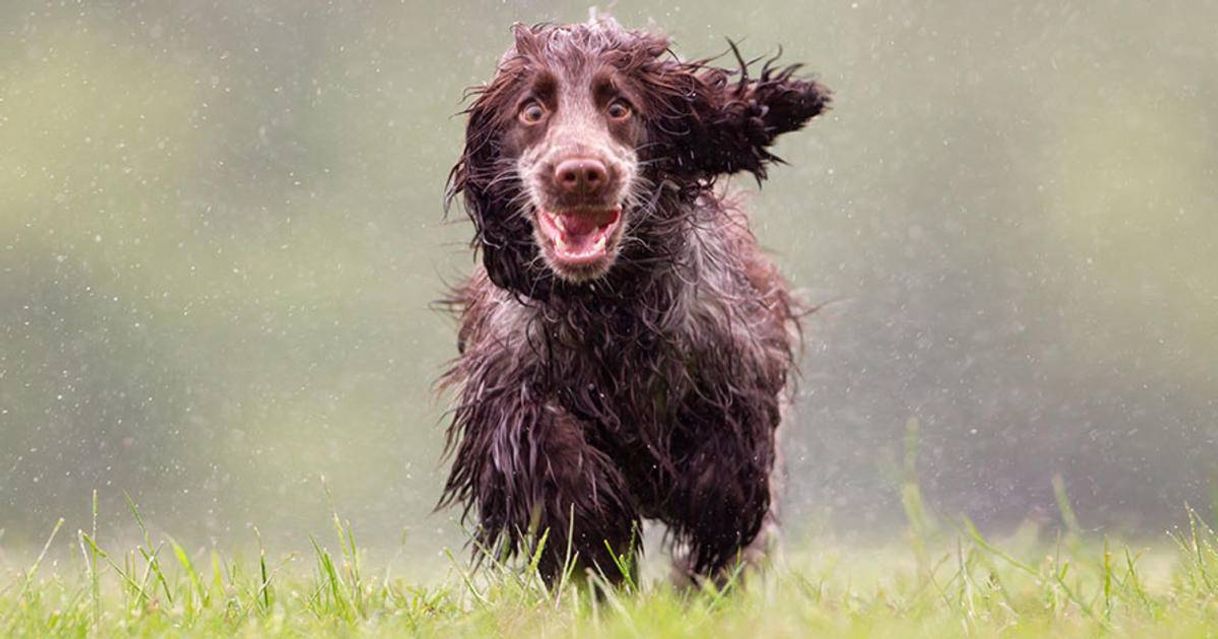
x,y
941,581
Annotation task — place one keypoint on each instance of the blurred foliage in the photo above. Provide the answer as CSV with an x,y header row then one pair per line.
x,y
222,229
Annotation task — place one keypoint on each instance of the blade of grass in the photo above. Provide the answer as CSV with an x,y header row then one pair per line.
x,y
147,551
28,578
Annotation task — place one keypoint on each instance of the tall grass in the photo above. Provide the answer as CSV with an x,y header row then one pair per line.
x,y
949,580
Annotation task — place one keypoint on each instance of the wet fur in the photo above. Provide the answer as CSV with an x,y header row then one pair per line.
x,y
652,392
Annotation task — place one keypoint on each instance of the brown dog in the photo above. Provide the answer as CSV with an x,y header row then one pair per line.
x,y
625,347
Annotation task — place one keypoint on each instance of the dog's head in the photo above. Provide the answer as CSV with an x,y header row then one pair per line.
x,y
580,126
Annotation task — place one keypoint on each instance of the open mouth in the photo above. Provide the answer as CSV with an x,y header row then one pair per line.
x,y
579,236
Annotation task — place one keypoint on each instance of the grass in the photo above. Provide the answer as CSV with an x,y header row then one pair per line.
x,y
945,582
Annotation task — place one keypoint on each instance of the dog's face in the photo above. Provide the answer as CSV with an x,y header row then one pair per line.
x,y
568,145
574,137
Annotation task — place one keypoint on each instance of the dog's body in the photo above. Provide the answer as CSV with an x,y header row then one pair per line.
x,y
626,347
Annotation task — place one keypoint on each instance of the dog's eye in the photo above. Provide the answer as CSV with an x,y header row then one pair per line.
x,y
618,110
532,112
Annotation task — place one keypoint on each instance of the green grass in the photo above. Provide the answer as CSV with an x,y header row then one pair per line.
x,y
941,582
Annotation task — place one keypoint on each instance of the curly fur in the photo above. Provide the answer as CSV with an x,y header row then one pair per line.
x,y
654,391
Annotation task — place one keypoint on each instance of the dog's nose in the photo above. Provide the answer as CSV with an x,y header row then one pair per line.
x,y
581,176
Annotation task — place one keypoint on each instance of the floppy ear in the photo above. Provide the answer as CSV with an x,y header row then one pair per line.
x,y
716,121
480,177
497,232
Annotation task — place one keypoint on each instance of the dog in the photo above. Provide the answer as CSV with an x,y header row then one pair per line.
x,y
625,347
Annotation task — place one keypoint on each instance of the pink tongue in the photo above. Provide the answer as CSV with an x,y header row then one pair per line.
x,y
576,225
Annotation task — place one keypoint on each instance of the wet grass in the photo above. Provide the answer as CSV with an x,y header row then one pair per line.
x,y
942,581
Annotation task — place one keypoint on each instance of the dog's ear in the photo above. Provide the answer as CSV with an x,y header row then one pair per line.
x,y
713,121
501,234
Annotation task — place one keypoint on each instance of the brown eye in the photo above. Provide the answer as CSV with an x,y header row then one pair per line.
x,y
532,112
618,110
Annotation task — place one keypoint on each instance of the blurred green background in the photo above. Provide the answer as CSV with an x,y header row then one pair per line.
x,y
221,230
